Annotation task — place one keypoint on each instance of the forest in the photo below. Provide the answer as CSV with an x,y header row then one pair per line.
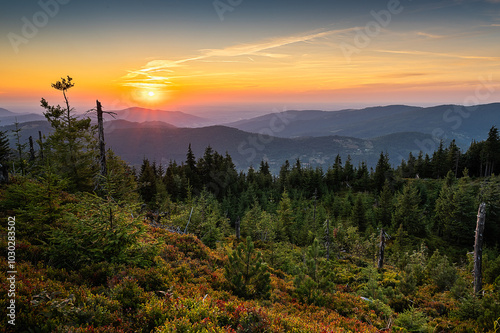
x,y
196,246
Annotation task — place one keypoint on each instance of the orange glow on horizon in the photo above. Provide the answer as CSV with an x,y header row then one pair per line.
x,y
407,67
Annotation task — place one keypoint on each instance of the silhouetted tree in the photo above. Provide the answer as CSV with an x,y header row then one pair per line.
x,y
72,144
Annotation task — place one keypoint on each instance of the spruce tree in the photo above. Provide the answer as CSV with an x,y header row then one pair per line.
x,y
358,216
147,183
383,171
408,213
312,278
4,147
72,145
439,162
284,227
4,157
247,273
492,152
383,211
446,206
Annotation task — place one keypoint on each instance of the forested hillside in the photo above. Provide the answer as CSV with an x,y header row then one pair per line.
x,y
195,246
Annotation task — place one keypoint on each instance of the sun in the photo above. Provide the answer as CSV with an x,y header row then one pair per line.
x,y
151,94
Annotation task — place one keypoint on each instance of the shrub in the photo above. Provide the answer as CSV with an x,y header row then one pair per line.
x,y
95,230
412,320
441,273
129,293
247,273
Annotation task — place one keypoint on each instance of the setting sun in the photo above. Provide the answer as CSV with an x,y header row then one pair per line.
x,y
151,94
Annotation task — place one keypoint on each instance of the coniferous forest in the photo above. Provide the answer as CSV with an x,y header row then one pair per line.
x,y
197,246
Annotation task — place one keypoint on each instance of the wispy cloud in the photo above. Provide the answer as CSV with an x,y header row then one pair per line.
x,y
432,36
402,75
256,48
448,55
156,73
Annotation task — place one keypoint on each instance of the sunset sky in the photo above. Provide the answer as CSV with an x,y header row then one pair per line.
x,y
202,56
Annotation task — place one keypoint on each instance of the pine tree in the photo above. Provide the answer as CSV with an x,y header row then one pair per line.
x,y
492,152
445,210
439,162
453,158
362,182
147,183
258,224
385,206
247,273
20,147
312,279
348,174
408,213
284,226
358,216
4,148
4,157
284,175
412,161
490,194
72,144
334,174
121,179
383,171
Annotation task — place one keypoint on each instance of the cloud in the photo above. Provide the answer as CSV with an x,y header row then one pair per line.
x,y
158,71
424,34
402,75
256,48
448,55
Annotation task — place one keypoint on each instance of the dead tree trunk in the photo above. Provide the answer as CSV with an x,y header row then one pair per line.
x,y
102,145
40,143
237,228
381,250
32,149
478,248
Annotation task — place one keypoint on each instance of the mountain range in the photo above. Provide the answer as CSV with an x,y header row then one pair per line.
x,y
164,142
446,122
176,118
8,117
313,136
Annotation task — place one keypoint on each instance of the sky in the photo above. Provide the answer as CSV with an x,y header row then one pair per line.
x,y
238,57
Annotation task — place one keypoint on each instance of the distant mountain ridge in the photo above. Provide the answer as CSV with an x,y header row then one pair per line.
x,y
445,121
175,118
6,113
164,143
315,137
8,117
248,149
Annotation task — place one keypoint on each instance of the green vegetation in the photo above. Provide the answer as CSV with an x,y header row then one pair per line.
x,y
109,254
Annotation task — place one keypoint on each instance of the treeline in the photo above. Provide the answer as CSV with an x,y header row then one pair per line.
x,y
426,198
432,198
217,173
